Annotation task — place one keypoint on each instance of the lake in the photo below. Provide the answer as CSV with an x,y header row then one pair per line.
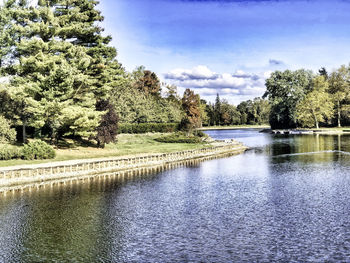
x,y
285,199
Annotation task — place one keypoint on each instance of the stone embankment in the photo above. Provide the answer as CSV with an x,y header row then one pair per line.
x,y
27,176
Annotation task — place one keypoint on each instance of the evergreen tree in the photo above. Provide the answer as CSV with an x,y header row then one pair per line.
x,y
217,110
64,66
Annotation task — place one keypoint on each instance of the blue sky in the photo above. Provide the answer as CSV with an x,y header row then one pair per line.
x,y
227,46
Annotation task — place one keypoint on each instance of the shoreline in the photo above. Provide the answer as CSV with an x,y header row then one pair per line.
x,y
233,127
36,175
331,131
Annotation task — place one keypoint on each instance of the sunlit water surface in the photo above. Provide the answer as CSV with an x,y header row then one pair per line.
x,y
286,199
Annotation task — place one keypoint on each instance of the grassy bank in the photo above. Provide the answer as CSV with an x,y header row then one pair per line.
x,y
127,145
266,126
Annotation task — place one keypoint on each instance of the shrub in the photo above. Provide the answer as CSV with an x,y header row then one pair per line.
x,y
6,133
38,150
8,152
147,127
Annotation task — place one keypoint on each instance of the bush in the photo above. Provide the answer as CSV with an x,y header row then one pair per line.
x,y
38,150
6,133
8,152
178,138
147,127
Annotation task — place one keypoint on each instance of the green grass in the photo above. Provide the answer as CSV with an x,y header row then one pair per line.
x,y
264,126
127,145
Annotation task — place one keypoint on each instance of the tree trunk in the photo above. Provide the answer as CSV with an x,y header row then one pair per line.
x,y
338,106
315,118
24,134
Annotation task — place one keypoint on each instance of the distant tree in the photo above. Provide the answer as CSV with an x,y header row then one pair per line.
x,y
204,120
191,107
107,130
148,82
261,109
171,93
285,90
339,88
217,107
317,105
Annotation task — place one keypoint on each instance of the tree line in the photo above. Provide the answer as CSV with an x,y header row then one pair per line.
x,y
303,99
59,77
249,112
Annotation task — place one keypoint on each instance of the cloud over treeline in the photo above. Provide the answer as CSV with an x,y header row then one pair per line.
x,y
208,83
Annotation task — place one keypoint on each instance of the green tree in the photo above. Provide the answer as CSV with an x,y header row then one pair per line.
x,y
217,110
339,88
285,90
317,105
63,66
7,134
203,113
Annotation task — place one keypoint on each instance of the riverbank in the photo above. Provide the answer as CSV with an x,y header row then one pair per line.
x,y
35,175
127,145
234,127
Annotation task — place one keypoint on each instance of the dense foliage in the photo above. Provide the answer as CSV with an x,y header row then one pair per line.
x,y
284,91
38,150
247,112
302,99
7,134
8,152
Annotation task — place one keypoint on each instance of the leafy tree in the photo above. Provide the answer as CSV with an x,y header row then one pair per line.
x,y
107,130
147,82
171,93
284,91
261,110
7,135
203,113
190,104
339,87
317,105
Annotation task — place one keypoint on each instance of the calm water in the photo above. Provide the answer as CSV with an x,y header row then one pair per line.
x,y
286,199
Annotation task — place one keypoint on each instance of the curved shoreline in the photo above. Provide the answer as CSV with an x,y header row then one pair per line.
x,y
28,176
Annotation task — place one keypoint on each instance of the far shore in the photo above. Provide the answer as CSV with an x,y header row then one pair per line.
x,y
322,130
234,127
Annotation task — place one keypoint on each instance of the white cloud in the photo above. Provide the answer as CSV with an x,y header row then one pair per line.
x,y
197,73
235,87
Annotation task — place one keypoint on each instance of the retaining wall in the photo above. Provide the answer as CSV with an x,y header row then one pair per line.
x,y
13,178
